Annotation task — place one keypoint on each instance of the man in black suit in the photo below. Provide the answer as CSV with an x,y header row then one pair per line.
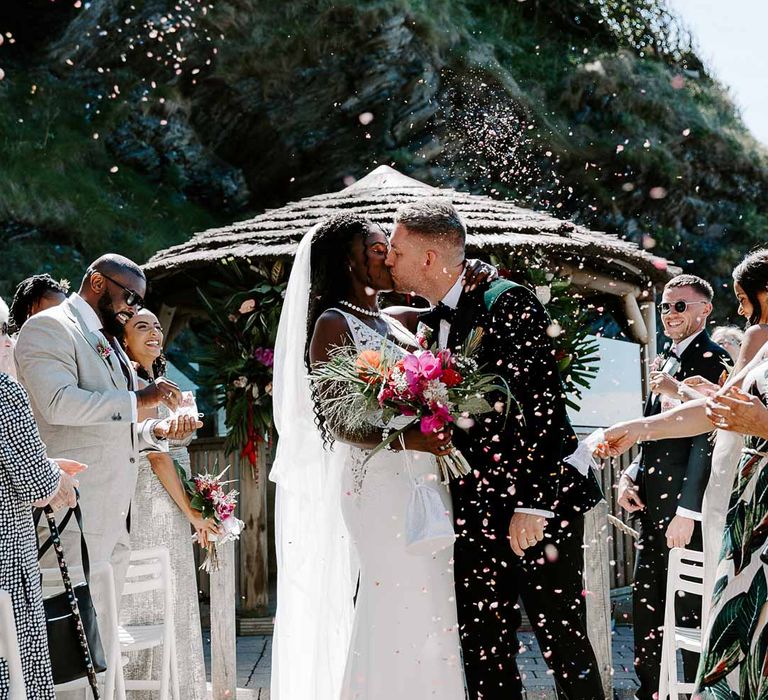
x,y
519,515
666,485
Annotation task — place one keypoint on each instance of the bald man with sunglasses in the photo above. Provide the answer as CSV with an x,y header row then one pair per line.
x,y
664,487
86,399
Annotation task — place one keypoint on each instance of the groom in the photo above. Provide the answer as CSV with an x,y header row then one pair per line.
x,y
519,515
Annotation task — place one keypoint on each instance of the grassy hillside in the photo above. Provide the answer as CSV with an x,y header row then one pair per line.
x,y
598,110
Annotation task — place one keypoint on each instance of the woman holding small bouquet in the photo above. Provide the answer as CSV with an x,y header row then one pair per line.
x,y
338,487
161,515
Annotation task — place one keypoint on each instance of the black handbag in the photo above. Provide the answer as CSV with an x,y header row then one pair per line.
x,y
74,642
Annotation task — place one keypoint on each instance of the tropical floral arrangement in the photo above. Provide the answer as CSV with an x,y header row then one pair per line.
x,y
244,305
575,352
432,388
207,495
239,354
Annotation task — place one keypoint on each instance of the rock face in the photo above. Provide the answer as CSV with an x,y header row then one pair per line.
x,y
237,105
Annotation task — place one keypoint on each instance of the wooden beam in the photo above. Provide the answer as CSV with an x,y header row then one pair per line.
x,y
254,544
649,350
590,279
165,316
597,584
223,635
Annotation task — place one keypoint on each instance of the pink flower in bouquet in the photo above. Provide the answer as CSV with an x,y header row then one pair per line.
x,y
439,417
430,424
264,355
422,366
225,509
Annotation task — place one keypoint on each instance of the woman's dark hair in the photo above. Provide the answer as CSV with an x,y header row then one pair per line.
x,y
29,292
330,279
159,367
752,275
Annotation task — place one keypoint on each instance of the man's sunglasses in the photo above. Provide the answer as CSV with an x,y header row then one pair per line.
x,y
132,298
680,306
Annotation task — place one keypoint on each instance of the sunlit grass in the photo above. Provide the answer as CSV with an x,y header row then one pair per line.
x,y
62,193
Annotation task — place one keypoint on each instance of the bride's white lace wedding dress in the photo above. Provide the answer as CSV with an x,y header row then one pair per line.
x,y
405,643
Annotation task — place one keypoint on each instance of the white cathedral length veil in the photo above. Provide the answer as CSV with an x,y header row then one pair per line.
x,y
315,570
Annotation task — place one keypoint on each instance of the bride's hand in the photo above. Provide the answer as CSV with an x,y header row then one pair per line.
x,y
476,272
437,442
203,527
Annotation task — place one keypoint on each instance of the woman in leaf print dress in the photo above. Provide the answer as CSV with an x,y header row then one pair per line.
x,y
735,659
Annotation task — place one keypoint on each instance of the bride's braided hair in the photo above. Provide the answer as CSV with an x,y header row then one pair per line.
x,y
330,279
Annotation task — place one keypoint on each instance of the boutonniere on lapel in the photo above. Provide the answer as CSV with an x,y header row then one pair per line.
x,y
104,349
423,335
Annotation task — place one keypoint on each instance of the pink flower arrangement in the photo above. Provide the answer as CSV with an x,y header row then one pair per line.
x,y
207,495
435,388
264,355
425,391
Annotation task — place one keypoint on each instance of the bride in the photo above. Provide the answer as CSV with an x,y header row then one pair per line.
x,y
392,632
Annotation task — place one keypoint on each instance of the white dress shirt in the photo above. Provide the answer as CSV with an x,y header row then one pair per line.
x,y
451,300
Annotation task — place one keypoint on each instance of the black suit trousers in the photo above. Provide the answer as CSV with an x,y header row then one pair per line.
x,y
649,595
490,580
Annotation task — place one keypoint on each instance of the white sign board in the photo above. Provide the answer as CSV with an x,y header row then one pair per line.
x,y
616,392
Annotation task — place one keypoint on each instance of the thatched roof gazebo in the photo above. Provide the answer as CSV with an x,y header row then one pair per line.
x,y
598,266
595,261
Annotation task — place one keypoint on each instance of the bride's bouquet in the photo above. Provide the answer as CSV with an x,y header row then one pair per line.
x,y
207,495
433,388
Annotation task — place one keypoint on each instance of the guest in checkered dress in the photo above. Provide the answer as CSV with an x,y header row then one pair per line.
x,y
27,477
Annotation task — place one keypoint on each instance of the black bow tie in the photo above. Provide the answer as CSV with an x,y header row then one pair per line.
x,y
441,312
670,352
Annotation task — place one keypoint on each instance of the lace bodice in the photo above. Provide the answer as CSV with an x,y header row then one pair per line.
x,y
366,338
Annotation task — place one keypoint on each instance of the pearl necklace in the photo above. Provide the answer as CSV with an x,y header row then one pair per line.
x,y
360,309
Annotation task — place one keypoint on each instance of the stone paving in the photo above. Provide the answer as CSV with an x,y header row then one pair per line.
x,y
254,656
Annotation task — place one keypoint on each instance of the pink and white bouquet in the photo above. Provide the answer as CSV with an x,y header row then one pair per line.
x,y
208,495
434,388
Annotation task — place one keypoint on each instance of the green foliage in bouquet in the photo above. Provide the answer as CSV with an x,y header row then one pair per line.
x,y
575,352
237,362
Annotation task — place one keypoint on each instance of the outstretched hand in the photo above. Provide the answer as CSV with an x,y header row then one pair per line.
x,y
618,439
176,428
703,386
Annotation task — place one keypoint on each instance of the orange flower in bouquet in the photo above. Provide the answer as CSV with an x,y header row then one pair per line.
x,y
368,365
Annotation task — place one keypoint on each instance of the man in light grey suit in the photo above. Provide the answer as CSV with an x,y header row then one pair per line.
x,y
86,399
